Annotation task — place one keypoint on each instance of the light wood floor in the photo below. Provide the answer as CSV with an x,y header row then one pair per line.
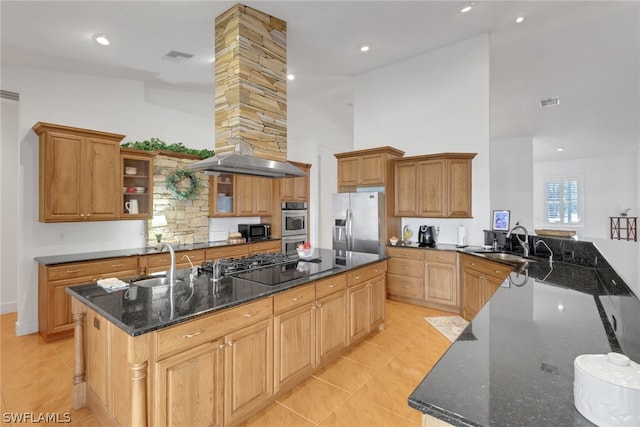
x,y
368,386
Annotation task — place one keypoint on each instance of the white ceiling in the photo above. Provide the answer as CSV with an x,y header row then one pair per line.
x,y
586,52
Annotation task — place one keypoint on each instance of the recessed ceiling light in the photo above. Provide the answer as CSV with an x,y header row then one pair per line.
x,y
467,8
554,100
560,149
364,48
291,76
519,19
101,39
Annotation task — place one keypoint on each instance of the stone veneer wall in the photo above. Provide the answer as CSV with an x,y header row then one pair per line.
x,y
187,220
250,83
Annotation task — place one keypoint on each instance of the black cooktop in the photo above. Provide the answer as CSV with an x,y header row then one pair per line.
x,y
282,273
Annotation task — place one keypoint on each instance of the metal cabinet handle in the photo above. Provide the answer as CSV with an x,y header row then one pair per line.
x,y
73,271
331,286
296,299
250,314
193,334
230,343
117,265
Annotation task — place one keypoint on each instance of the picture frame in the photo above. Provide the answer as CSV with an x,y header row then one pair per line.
x,y
501,220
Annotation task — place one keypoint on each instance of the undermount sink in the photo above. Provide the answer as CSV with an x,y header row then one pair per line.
x,y
501,256
153,281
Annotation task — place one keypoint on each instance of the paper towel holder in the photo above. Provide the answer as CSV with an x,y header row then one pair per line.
x,y
500,220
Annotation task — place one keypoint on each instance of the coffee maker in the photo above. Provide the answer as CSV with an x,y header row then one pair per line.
x,y
427,236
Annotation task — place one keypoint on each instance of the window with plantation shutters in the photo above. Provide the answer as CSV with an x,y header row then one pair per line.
x,y
563,199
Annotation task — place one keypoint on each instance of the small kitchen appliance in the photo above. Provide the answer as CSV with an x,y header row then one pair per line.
x,y
427,236
255,232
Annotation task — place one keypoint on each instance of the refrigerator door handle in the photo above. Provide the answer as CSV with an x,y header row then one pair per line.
x,y
349,217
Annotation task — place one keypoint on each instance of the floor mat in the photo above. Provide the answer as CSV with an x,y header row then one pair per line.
x,y
449,326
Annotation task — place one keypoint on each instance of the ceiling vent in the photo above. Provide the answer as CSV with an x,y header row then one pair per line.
x,y
555,100
174,55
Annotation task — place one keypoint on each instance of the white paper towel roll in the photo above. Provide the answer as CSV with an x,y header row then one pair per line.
x,y
462,236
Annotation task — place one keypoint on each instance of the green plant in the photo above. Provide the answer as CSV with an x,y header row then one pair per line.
x,y
154,144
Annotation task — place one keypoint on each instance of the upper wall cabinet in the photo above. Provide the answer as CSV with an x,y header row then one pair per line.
x,y
137,184
79,174
366,168
433,186
240,195
296,189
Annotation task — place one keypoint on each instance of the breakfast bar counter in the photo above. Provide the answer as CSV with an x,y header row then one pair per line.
x,y
513,365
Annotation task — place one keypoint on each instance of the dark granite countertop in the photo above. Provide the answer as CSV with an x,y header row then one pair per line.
x,y
513,365
91,256
138,310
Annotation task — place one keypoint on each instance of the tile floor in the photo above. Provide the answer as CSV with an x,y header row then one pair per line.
x,y
368,386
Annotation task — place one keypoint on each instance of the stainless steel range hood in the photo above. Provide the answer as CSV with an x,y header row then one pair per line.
x,y
241,164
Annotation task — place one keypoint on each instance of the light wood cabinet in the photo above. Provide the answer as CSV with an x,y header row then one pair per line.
x,y
136,170
331,332
267,246
231,251
240,195
441,288
54,304
295,336
480,279
155,263
370,167
189,387
405,274
433,186
366,295
248,370
296,189
79,174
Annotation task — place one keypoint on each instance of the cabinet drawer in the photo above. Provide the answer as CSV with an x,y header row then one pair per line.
x,y
196,257
490,268
363,274
92,269
269,246
440,256
231,251
293,298
187,335
408,287
330,285
406,267
406,253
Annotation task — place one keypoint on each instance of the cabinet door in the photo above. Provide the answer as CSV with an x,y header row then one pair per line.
x,y
431,200
349,171
377,296
262,195
61,178
372,170
101,172
471,289
294,346
459,187
60,316
248,369
441,284
358,312
137,185
405,189
190,387
331,322
244,195
222,199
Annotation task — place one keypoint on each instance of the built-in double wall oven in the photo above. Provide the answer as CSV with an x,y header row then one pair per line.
x,y
294,225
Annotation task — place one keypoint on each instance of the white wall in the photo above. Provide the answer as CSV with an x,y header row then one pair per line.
x,y
432,103
608,190
512,179
9,242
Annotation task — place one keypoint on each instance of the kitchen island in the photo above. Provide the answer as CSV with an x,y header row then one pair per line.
x,y
513,365
211,352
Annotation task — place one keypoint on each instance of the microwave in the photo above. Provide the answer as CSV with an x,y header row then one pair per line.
x,y
255,232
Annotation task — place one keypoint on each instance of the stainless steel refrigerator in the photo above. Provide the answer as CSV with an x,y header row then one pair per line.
x,y
359,222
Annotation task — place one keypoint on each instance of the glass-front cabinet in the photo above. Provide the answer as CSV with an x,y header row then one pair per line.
x,y
221,195
137,184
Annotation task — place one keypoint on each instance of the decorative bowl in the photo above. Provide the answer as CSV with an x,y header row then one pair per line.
x,y
393,241
140,189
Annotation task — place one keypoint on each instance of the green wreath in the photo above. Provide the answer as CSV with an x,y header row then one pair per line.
x,y
178,176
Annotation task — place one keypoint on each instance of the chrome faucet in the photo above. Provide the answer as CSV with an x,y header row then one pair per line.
x,y
548,248
525,243
172,268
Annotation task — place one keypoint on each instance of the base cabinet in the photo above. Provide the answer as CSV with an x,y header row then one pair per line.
x,y
331,333
441,280
366,294
480,280
190,386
